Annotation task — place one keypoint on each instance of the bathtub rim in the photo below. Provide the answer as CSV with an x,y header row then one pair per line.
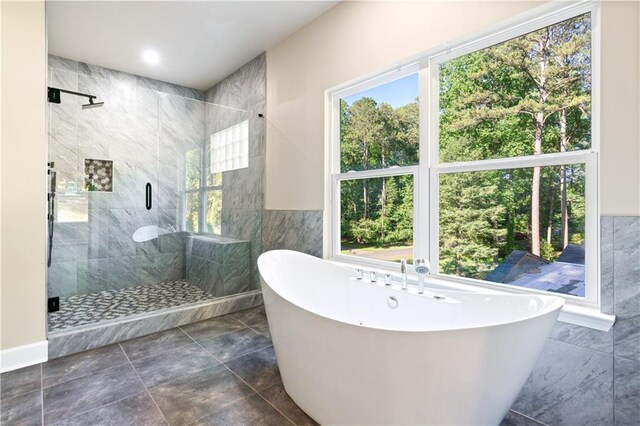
x,y
550,307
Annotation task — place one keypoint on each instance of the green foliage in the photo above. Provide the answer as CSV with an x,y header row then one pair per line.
x,y
527,96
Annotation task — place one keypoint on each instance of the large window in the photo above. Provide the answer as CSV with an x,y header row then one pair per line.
x,y
378,154
505,192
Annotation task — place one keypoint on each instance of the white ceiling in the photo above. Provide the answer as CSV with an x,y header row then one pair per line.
x,y
199,43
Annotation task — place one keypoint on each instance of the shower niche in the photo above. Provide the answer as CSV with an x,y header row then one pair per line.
x,y
157,204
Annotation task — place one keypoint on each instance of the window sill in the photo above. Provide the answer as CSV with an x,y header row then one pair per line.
x,y
585,316
572,313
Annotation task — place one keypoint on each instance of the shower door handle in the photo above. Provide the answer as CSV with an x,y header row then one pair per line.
x,y
149,196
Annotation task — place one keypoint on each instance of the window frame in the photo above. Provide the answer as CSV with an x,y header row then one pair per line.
x,y
337,176
427,172
201,190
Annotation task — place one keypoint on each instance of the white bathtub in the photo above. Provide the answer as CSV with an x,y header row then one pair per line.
x,y
347,358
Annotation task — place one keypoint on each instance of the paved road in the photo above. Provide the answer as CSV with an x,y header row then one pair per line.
x,y
386,254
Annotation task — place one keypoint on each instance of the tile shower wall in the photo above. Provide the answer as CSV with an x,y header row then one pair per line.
x,y
218,265
242,189
143,127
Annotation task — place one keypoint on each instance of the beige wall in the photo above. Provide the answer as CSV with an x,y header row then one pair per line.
x,y
357,38
23,181
620,110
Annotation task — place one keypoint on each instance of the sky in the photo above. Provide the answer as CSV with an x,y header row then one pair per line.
x,y
396,93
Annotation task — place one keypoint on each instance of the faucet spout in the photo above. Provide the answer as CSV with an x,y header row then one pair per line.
x,y
403,272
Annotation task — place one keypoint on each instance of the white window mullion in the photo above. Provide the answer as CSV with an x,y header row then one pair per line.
x,y
378,173
543,160
421,218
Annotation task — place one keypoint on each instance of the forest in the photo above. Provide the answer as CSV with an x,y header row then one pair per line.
x,y
530,95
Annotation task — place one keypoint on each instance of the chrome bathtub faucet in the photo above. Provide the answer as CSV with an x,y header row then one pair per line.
x,y
373,277
422,268
359,274
403,272
387,279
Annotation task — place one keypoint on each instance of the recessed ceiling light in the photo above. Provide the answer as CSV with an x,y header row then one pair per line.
x,y
151,57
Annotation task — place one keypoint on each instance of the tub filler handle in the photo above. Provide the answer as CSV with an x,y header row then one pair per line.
x,y
403,272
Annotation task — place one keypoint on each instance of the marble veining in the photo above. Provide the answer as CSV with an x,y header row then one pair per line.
x,y
585,376
299,230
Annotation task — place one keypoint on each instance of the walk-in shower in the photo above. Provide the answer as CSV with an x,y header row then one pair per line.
x,y
53,96
155,204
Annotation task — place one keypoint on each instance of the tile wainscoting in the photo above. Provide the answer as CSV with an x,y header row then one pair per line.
x,y
591,377
299,230
584,376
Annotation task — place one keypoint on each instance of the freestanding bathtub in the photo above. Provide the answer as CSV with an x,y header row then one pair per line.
x,y
348,357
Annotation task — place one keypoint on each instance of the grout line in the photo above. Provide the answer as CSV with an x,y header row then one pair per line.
x,y
224,407
529,418
205,349
156,354
144,384
236,357
258,393
599,351
87,373
259,332
240,378
96,408
42,393
214,337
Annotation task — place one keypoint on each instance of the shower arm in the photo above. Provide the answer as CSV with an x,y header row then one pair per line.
x,y
53,93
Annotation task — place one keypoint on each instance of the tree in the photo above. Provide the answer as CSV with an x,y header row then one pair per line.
x,y
535,75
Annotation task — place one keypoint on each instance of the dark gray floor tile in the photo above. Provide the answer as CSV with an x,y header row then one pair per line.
x,y
516,419
262,328
279,398
156,343
20,381
251,316
86,393
249,411
235,344
139,410
202,394
70,367
214,327
259,369
173,364
25,409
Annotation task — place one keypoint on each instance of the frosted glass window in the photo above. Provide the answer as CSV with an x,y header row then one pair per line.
x,y
230,148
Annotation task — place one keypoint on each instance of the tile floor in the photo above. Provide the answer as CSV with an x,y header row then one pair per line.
x,y
95,307
220,371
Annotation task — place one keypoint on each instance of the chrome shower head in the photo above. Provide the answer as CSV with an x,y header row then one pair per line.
x,y
92,104
421,266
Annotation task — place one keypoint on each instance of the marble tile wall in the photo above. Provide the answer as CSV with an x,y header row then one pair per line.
x,y
144,127
299,230
220,266
584,376
590,377
242,189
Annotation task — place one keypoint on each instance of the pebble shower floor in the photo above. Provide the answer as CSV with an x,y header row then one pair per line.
x,y
91,308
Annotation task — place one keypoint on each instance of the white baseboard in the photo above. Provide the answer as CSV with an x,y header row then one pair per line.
x,y
24,356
